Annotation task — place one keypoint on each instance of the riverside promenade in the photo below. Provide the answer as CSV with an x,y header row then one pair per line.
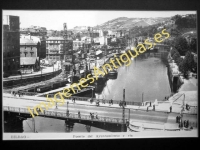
x,y
45,70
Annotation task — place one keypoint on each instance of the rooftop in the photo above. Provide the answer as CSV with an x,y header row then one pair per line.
x,y
29,40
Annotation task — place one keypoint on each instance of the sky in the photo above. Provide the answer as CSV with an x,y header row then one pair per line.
x,y
54,19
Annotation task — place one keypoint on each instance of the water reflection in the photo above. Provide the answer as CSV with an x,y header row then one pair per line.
x,y
146,75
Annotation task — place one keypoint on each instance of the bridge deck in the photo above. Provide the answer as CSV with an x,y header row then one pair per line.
x,y
64,116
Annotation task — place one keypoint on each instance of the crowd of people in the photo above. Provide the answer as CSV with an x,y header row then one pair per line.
x,y
15,93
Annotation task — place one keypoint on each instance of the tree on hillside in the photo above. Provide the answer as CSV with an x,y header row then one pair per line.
x,y
188,21
173,51
183,67
181,45
176,56
187,64
176,17
189,58
193,45
179,61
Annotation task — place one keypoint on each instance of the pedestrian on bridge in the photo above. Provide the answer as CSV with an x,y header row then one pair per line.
x,y
154,107
91,115
56,106
67,112
124,103
19,93
170,109
120,103
111,101
73,100
79,114
14,94
97,102
97,116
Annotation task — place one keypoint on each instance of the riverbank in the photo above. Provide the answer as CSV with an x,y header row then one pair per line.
x,y
180,85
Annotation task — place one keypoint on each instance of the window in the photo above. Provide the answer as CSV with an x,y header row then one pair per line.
x,y
31,53
25,53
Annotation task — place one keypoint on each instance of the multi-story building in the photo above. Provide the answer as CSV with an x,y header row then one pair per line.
x,y
58,47
78,45
11,43
30,47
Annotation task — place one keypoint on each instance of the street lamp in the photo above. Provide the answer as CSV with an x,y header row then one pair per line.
x,y
123,111
92,94
41,71
53,69
142,97
67,107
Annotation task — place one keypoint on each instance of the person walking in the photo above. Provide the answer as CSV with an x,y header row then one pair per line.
x,y
153,107
67,112
14,93
124,103
97,116
111,101
79,114
91,115
97,102
120,103
73,100
170,109
103,101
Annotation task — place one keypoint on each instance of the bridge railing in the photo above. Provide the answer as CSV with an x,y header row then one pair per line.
x,y
103,100
65,115
94,100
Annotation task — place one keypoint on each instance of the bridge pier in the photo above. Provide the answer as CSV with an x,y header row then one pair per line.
x,y
88,128
13,122
69,125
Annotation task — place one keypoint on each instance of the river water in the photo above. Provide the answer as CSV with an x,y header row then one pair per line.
x,y
144,75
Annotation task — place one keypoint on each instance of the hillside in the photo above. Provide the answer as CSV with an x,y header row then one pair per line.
x,y
127,23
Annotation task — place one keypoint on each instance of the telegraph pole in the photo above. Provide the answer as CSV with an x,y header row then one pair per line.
x,y
123,111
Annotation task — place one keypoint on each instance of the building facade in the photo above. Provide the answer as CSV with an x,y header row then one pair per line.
x,y
57,48
11,44
78,45
30,47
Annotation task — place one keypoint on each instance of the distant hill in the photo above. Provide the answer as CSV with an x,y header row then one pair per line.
x,y
127,23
